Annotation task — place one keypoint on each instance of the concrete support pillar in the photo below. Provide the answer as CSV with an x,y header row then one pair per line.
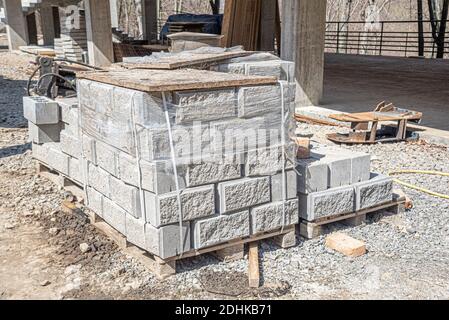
x,y
48,25
32,28
99,32
114,13
303,40
150,10
16,24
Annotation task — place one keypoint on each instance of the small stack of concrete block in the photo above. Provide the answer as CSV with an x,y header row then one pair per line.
x,y
230,186
337,181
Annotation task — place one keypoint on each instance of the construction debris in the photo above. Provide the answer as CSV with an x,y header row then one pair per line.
x,y
346,245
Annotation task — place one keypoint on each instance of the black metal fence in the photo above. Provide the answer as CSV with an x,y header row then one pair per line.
x,y
396,38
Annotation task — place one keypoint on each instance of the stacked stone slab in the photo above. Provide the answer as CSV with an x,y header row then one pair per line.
x,y
336,181
73,41
233,182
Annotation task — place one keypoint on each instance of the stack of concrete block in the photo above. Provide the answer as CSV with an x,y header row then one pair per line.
x,y
336,181
73,41
53,131
230,186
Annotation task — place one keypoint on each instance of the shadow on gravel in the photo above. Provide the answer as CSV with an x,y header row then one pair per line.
x,y
14,150
11,103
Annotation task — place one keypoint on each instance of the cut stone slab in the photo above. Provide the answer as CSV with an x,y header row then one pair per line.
x,y
205,105
220,229
40,110
346,245
290,186
126,196
378,190
44,133
312,175
270,216
165,242
244,193
196,203
327,203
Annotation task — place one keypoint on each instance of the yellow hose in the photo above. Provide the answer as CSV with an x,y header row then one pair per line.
x,y
411,186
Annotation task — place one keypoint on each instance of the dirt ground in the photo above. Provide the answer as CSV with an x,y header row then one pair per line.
x,y
40,256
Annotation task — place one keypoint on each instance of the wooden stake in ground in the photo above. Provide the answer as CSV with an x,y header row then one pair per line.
x,y
253,265
346,245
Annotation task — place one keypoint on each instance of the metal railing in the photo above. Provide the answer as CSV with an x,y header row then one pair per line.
x,y
381,38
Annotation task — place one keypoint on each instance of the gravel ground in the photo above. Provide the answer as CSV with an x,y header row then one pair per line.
x,y
41,258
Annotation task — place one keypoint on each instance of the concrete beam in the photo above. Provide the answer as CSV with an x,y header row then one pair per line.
x,y
99,32
150,10
16,24
303,35
48,25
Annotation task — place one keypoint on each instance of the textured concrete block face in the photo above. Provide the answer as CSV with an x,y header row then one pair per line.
x,y
266,161
282,70
220,229
312,175
69,111
126,196
99,180
327,203
114,215
244,193
378,190
253,101
40,110
58,160
70,145
94,201
135,231
165,242
271,216
290,186
196,203
360,167
205,105
208,173
88,148
44,133
76,170
107,158
40,152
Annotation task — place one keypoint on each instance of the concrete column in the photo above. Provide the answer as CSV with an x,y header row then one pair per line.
x,y
150,10
99,32
32,28
16,24
114,13
303,38
48,25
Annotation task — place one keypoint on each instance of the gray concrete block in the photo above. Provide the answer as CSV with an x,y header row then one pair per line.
x,y
99,179
126,196
135,231
271,216
209,172
70,145
69,111
290,186
40,152
205,105
165,241
255,101
114,215
107,158
327,203
40,110
220,229
56,159
312,175
282,70
339,164
88,148
94,201
76,170
44,133
376,191
266,161
244,193
196,203
360,167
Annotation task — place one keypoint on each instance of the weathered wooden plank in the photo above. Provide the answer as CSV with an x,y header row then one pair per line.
x,y
174,80
253,265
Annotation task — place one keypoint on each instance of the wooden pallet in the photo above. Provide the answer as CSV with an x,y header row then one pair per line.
x,y
61,180
311,230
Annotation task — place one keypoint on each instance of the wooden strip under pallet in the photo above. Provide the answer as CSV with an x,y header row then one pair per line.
x,y
174,80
